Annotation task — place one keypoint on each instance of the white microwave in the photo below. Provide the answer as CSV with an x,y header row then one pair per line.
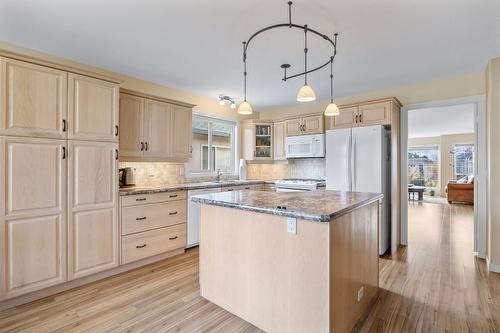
x,y
305,146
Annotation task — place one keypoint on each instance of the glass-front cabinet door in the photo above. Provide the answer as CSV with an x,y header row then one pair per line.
x,y
263,141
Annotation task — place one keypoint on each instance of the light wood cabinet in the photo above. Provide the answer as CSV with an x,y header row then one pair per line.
x,y
157,130
377,113
257,140
93,209
32,100
154,130
181,132
131,125
92,109
304,126
279,140
347,117
33,214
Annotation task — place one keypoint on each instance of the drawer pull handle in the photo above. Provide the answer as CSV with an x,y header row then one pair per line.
x,y
247,188
172,213
172,238
174,196
140,218
140,199
230,190
140,246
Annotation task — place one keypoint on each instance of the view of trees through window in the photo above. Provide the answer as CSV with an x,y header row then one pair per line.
x,y
213,145
464,160
423,166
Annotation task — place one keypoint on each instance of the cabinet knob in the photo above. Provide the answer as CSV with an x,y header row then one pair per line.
x,y
64,125
142,146
116,130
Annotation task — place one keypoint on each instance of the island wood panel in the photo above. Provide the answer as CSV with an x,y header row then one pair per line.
x,y
353,265
32,100
252,267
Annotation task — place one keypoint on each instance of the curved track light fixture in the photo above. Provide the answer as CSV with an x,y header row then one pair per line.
x,y
306,93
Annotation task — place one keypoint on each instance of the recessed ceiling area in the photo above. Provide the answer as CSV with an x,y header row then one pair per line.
x,y
196,45
431,122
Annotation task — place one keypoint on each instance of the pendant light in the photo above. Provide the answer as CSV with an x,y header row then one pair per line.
x,y
306,93
332,109
245,108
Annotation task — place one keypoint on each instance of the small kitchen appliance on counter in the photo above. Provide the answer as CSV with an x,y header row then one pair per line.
x,y
127,177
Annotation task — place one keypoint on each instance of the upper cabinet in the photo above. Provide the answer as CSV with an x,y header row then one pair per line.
x,y
366,114
32,100
306,125
279,140
257,140
154,130
92,109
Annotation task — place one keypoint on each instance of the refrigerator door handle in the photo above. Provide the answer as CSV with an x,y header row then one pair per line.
x,y
353,163
348,163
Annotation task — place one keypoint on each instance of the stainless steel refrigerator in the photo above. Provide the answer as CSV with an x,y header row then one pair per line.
x,y
358,160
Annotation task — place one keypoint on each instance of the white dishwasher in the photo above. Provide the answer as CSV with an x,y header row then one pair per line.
x,y
193,216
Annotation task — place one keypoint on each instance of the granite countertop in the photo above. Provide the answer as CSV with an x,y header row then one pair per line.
x,y
319,206
189,186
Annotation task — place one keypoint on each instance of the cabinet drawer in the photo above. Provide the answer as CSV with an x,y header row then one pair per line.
x,y
139,199
149,243
152,216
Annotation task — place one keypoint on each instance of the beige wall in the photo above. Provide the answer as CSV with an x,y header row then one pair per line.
x,y
493,153
446,143
460,86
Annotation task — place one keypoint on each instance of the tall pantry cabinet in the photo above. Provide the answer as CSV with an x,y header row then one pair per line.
x,y
58,176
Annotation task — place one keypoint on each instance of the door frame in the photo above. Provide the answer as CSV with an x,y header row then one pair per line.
x,y
480,167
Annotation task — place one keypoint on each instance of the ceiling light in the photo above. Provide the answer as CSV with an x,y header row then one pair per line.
x,y
245,108
332,109
306,94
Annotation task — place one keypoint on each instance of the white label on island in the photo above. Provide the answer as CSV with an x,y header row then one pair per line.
x,y
291,225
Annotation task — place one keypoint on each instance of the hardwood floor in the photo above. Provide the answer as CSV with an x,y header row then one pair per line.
x,y
435,284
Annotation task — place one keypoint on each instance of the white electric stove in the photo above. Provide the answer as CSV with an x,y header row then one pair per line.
x,y
299,185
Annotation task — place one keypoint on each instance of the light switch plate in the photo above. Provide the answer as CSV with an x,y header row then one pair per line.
x,y
291,225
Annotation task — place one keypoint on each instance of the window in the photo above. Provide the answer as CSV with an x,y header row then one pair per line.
x,y
463,160
213,146
423,166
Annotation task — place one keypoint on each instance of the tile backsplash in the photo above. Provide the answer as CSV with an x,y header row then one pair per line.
x,y
311,168
159,173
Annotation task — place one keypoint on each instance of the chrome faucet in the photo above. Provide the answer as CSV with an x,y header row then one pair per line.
x,y
219,173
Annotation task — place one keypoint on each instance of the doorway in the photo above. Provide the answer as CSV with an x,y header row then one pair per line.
x,y
444,145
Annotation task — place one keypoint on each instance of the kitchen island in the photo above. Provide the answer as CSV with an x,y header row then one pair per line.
x,y
290,262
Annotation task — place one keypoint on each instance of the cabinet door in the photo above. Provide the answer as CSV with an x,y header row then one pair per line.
x,y
375,114
32,100
248,136
93,209
293,127
313,124
181,133
346,118
92,109
131,125
33,214
157,134
279,141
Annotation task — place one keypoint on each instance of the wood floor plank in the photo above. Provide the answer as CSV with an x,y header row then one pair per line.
x,y
433,285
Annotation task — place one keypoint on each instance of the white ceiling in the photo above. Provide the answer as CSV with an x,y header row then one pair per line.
x,y
429,122
196,44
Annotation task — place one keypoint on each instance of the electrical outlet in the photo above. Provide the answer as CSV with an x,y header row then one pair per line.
x,y
291,225
361,293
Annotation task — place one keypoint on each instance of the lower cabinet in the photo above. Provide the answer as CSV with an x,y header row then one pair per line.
x,y
33,215
152,224
93,208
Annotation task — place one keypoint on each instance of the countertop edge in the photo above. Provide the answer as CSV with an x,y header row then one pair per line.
x,y
289,213
188,186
